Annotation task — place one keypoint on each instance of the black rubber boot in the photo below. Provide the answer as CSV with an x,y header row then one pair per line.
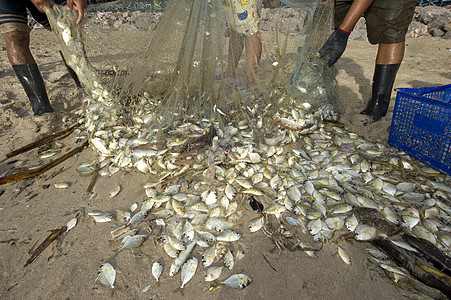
x,y
383,80
71,72
33,84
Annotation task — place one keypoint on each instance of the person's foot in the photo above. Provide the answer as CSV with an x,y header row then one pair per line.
x,y
363,119
41,109
45,121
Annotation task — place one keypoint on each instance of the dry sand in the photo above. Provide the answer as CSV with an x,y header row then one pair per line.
x,y
67,269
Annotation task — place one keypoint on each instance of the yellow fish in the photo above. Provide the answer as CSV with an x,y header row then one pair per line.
x,y
244,2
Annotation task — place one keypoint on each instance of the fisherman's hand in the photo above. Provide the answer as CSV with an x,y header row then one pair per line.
x,y
335,45
40,4
79,6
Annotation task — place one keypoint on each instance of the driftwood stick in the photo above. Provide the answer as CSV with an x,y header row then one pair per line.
x,y
55,173
93,180
409,264
42,141
430,253
34,253
34,172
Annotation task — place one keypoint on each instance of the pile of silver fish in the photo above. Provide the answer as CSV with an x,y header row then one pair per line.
x,y
311,174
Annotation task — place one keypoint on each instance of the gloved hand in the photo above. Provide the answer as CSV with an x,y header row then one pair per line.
x,y
335,45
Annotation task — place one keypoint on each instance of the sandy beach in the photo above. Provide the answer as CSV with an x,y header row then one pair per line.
x,y
67,269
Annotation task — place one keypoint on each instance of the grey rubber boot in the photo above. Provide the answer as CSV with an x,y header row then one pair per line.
x,y
33,84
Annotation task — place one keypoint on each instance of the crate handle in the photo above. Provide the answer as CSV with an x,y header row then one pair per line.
x,y
432,89
436,89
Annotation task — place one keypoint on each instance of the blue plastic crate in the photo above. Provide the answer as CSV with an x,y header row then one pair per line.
x,y
421,125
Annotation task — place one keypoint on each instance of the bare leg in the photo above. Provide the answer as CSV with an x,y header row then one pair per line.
x,y
236,46
18,47
253,46
390,54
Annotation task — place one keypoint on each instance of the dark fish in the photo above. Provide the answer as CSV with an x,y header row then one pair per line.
x,y
256,205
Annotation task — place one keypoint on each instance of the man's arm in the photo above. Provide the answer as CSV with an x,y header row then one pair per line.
x,y
355,12
338,40
78,5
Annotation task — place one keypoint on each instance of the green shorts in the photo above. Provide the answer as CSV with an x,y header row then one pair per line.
x,y
387,21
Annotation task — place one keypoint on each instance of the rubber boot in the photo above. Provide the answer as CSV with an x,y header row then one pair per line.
x,y
383,80
71,72
33,84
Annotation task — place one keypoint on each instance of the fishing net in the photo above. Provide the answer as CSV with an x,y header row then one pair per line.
x,y
124,5
202,65
191,50
312,80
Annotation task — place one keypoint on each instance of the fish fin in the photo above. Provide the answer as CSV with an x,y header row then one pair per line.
x,y
214,287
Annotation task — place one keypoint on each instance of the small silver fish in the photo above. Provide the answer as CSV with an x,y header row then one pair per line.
x,y
209,256
170,251
71,224
146,288
213,273
344,256
106,275
404,245
240,253
145,150
217,224
228,236
138,217
228,260
115,191
172,190
211,198
101,217
256,224
62,185
188,231
47,154
377,254
392,269
133,242
351,222
181,259
229,191
157,269
188,270
364,232
237,281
